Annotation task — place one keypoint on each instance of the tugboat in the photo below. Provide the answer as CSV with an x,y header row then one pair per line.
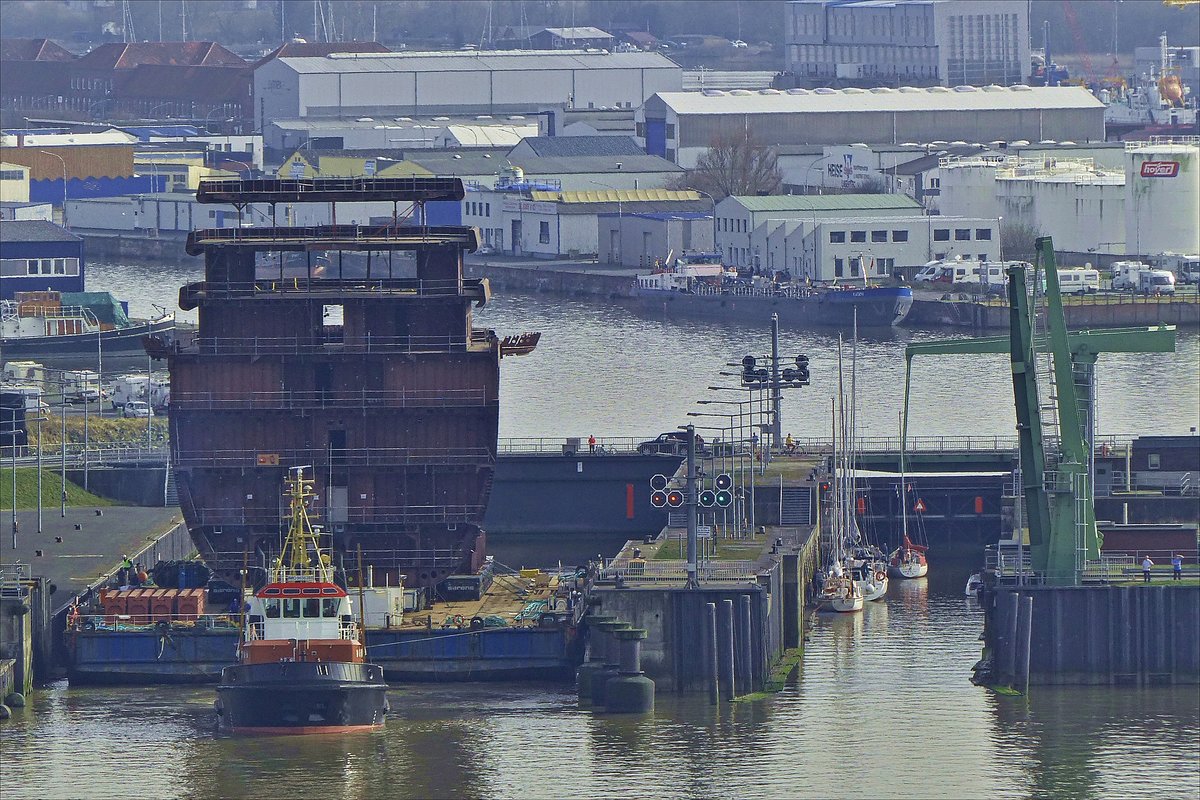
x,y
301,661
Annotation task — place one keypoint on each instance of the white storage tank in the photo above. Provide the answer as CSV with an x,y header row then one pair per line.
x,y
1162,196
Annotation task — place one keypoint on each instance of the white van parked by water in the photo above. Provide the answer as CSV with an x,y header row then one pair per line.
x,y
1125,274
1078,281
1156,281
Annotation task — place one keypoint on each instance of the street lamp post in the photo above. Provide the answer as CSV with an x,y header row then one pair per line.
x,y
64,171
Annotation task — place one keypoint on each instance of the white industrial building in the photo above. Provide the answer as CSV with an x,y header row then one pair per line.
x,y
738,217
641,238
1148,207
458,82
951,42
532,219
681,126
834,248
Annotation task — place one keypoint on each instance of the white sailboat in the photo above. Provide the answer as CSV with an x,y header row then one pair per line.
x,y
839,591
865,562
907,560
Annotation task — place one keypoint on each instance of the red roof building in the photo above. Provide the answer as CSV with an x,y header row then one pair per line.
x,y
35,73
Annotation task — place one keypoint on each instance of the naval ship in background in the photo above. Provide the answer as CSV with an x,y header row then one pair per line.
x,y
363,365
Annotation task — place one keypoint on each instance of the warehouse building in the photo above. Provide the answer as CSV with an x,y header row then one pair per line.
x,y
641,238
680,126
951,42
457,82
36,255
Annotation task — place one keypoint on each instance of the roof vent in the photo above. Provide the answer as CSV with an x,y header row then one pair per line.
x,y
825,90
798,91
483,116
1020,87
713,93
938,90
853,90
883,90
441,119
741,92
365,119
993,88
908,90
516,116
958,143
1019,143
769,91
965,89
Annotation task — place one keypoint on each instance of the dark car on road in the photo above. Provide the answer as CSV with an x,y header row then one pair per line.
x,y
672,443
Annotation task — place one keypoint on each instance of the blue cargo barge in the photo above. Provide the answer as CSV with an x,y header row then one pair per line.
x,y
157,656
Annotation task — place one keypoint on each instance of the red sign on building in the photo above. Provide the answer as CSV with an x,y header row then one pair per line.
x,y
1160,169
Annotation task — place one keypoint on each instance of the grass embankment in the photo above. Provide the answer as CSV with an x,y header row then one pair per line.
x,y
27,490
727,549
101,432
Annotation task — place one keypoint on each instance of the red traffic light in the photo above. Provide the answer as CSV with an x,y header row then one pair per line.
x,y
675,498
658,499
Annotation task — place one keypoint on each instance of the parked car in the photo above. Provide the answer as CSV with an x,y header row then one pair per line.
x,y
739,43
671,443
86,396
136,408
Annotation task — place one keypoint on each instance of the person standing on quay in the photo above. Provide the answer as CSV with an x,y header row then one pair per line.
x,y
1177,567
592,443
1146,565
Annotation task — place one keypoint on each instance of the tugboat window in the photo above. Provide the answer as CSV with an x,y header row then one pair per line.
x,y
329,607
291,609
312,608
272,607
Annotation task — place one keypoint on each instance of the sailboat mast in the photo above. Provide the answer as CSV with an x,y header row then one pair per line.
x,y
903,485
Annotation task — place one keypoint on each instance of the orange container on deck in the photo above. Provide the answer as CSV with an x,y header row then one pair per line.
x,y
190,603
114,603
138,606
162,604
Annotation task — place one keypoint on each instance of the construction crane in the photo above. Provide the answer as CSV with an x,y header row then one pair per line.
x,y
1055,449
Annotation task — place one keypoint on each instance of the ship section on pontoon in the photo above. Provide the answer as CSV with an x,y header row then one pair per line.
x,y
366,367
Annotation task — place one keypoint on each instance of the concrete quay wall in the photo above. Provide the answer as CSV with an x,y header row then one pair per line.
x,y
1113,312
1087,635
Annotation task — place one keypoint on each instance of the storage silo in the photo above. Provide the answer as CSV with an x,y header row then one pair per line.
x,y
1162,196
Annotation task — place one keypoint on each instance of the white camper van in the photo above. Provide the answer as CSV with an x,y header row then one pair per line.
x,y
1125,274
1078,281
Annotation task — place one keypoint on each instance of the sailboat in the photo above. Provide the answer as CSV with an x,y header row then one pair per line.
x,y
865,562
839,590
907,560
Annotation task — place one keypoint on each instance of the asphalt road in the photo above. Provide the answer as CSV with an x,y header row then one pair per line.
x,y
88,555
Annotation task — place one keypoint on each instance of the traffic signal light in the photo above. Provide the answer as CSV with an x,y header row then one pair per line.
x,y
802,368
658,482
724,481
674,498
748,369
724,498
708,498
658,499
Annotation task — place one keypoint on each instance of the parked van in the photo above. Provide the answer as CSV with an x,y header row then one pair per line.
x,y
1156,281
1078,281
1125,274
965,271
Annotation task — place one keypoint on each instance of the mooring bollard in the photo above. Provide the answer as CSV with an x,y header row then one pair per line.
x,y
1025,637
710,642
747,651
612,660
595,658
728,674
630,692
1008,668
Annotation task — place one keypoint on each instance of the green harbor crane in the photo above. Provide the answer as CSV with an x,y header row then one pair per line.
x,y
1056,474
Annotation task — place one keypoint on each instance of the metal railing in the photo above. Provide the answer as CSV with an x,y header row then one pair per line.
x,y
342,287
379,558
348,457
676,570
296,345
363,398
450,514
151,620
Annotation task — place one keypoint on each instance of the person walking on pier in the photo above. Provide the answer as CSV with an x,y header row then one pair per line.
x,y
1146,565
1177,567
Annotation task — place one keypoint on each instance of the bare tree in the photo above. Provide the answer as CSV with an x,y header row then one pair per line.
x,y
1017,241
734,165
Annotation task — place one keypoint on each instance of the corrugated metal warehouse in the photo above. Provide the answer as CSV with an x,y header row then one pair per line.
x,y
680,126
356,84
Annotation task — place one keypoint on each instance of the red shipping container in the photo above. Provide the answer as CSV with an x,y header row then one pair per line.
x,y
162,604
138,606
114,603
190,603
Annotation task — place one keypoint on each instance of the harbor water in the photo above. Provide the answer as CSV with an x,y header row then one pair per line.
x,y
610,370
882,707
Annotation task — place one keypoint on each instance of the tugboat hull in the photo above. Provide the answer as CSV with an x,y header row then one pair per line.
x,y
301,698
